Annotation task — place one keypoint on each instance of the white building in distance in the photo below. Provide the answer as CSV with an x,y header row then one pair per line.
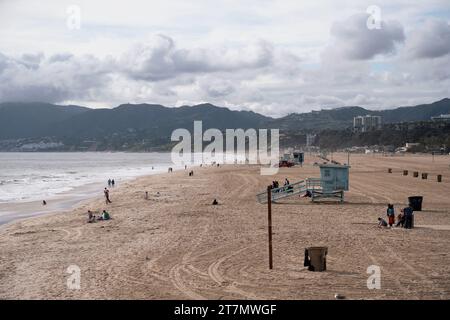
x,y
366,123
442,117
310,138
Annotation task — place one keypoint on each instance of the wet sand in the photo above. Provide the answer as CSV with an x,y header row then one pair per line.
x,y
178,246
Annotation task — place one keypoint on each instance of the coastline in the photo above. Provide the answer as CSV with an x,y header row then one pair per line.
x,y
62,202
177,245
11,210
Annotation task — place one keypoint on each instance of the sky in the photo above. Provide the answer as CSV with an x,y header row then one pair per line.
x,y
272,57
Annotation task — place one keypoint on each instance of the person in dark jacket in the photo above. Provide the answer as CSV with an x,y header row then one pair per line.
x,y
408,214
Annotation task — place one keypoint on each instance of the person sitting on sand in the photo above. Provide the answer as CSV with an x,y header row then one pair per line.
x,y
400,220
307,194
91,217
382,223
390,214
105,216
215,202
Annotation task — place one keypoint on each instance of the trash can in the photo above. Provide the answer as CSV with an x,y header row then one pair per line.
x,y
439,178
415,202
316,258
405,172
415,174
424,175
389,170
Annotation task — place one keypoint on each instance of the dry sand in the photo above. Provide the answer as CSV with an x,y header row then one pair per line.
x,y
179,246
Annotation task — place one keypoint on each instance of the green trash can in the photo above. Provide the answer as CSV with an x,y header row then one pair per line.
x,y
415,202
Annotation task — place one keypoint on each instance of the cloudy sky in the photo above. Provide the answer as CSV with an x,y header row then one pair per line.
x,y
273,57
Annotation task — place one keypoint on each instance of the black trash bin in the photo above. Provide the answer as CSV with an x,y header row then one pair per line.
x,y
415,202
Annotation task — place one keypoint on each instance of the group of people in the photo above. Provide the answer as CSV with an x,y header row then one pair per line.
x,y
404,218
276,184
111,183
92,217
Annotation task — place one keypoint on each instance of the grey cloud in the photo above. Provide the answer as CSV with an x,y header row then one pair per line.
x,y
160,59
59,57
35,78
355,41
432,40
217,88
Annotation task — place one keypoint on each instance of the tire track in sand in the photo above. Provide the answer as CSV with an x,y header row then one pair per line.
x,y
175,273
215,275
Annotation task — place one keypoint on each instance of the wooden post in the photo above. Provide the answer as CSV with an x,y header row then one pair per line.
x,y
269,210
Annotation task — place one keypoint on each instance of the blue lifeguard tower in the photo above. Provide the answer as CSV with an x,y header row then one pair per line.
x,y
299,157
334,180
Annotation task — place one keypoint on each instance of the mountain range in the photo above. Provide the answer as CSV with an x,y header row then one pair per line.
x,y
150,125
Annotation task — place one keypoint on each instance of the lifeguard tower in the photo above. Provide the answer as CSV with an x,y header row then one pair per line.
x,y
295,157
299,157
334,180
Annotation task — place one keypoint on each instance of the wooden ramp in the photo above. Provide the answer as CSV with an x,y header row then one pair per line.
x,y
299,187
314,185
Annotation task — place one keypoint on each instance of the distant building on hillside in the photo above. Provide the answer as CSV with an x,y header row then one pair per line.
x,y
310,138
366,123
410,145
442,117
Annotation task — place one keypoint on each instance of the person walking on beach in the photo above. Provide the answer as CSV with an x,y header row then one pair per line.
x,y
390,214
113,183
106,192
109,182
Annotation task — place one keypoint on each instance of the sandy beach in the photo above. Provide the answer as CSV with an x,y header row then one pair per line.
x,y
178,246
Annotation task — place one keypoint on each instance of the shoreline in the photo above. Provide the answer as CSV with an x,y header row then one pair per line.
x,y
64,201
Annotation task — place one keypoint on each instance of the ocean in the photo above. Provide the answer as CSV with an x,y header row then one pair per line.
x,y
38,176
